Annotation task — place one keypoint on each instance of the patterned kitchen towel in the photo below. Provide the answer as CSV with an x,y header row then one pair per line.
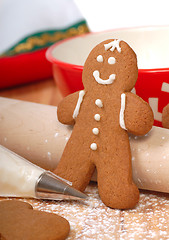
x,y
27,29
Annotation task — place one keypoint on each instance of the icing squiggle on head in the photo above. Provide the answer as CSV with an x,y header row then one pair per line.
x,y
110,80
123,104
112,45
77,108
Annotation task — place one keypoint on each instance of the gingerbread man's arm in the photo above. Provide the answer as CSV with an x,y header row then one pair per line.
x,y
165,116
138,116
66,108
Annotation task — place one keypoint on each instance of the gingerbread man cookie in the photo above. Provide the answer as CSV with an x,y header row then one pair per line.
x,y
103,113
18,221
165,116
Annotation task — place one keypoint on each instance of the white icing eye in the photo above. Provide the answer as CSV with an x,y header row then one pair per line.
x,y
100,58
111,60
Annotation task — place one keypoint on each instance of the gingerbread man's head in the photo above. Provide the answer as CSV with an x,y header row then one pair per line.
x,y
112,64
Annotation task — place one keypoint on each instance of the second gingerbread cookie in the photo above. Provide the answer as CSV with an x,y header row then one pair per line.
x,y
103,113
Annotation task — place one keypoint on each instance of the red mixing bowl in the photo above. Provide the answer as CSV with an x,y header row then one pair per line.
x,y
152,49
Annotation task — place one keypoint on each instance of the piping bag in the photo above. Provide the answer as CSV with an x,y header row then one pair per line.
x,y
33,131
21,178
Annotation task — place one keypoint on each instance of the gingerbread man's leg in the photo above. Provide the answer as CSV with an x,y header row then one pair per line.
x,y
115,184
75,164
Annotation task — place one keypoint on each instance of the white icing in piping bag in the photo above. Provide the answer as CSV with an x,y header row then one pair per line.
x,y
20,178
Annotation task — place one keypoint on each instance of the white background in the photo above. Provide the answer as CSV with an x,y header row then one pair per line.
x,y
112,14
20,18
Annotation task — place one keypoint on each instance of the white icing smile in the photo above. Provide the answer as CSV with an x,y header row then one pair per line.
x,y
99,80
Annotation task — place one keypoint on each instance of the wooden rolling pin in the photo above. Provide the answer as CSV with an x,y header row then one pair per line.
x,y
33,131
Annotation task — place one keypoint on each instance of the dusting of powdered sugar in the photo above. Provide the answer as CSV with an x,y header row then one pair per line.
x,y
93,220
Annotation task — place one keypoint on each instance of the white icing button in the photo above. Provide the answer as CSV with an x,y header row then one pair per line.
x,y
111,60
100,58
93,146
97,117
95,131
99,103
